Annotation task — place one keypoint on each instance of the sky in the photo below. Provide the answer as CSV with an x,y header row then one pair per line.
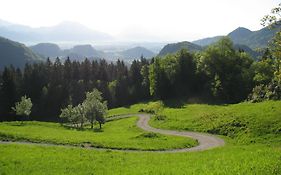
x,y
157,20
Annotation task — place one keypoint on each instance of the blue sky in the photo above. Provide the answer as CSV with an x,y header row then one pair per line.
x,y
143,19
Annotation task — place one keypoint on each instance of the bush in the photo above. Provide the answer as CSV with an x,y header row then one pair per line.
x,y
160,117
272,91
149,135
152,107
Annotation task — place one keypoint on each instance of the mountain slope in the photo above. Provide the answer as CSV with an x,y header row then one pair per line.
x,y
16,54
175,47
244,36
253,39
207,41
47,50
239,34
137,52
248,50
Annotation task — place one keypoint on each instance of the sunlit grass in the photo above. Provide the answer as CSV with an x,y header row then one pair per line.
x,y
119,134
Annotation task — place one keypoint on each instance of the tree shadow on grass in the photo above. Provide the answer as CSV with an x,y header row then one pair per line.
x,y
181,102
69,127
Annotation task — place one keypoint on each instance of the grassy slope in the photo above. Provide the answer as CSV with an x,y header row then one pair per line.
x,y
244,122
121,134
261,156
252,159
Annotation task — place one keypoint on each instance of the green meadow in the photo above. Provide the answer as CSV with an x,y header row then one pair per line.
x,y
252,132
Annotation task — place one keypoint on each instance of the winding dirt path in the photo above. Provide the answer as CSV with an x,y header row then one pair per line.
x,y
205,141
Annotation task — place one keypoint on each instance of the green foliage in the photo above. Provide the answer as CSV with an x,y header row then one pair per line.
x,y
263,71
270,91
268,70
95,108
74,115
172,75
176,47
152,107
92,109
118,134
23,107
227,71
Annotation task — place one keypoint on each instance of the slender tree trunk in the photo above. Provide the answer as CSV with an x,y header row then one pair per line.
x,y
82,124
92,123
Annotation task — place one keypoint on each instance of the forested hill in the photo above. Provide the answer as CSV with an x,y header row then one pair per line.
x,y
16,54
137,52
207,41
253,39
244,36
47,50
175,47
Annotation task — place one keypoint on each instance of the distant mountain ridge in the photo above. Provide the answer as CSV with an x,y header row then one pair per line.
x,y
80,52
137,52
16,54
207,41
244,36
175,47
63,32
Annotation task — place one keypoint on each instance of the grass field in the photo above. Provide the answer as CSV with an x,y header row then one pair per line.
x,y
120,134
245,122
252,133
251,159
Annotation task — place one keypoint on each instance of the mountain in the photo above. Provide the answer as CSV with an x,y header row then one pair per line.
x,y
253,39
83,50
16,54
244,36
207,41
175,47
63,32
137,52
47,50
239,34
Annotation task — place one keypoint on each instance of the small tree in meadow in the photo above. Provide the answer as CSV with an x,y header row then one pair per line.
x,y
74,115
95,108
23,107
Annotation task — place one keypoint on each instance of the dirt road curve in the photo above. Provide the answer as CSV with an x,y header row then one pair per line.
x,y
206,141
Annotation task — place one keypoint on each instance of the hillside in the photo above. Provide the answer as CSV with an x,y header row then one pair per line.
x,y
248,50
175,47
16,54
137,52
244,36
84,50
47,49
207,41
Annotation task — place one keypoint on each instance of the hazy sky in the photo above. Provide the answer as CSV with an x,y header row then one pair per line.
x,y
143,19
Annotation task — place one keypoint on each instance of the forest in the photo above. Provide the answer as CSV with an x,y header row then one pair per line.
x,y
218,74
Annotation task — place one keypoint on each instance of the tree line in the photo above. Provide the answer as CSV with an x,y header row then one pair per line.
x,y
55,85
219,74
